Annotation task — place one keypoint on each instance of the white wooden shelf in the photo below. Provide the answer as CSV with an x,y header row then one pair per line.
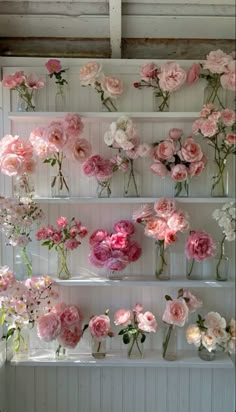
x,y
144,281
126,200
186,359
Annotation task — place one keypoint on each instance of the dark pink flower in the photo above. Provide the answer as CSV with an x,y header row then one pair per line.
x,y
124,226
199,246
119,240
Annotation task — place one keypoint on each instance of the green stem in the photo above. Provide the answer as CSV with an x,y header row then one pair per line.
x,y
161,263
166,341
218,275
26,261
191,269
135,341
130,179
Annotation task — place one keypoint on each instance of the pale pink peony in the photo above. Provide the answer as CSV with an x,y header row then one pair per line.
x,y
70,337
55,135
78,149
62,222
199,246
217,61
164,207
71,244
144,212
209,128
165,150
193,302
48,326
230,138
228,117
175,134
190,151
71,315
53,66
73,124
119,240
112,86
196,168
124,226
170,237
133,252
147,322
179,173
156,228
193,73
122,317
99,326
193,335
176,312
179,221
89,73
158,169
115,264
11,165
171,77
148,71
97,236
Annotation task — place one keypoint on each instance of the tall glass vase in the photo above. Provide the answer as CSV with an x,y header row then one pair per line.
x,y
169,345
219,181
63,271
182,189
60,98
162,261
132,181
98,347
26,101
221,261
22,262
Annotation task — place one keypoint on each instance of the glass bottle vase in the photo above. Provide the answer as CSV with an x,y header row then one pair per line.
x,y
22,262
169,345
23,186
135,346
221,262
98,347
132,181
203,270
59,186
63,271
162,261
161,101
205,355
60,99
219,180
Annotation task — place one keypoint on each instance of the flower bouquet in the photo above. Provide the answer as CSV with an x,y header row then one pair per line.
x,y
179,160
116,250
219,72
176,314
65,236
57,141
218,128
211,333
16,160
163,80
102,169
54,69
198,248
17,221
135,325
99,327
162,222
64,324
108,87
226,218
25,87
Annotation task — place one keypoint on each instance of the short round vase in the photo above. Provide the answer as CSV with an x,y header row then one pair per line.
x,y
104,188
98,347
205,355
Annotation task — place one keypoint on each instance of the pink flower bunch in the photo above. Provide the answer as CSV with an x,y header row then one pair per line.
x,y
24,85
136,324
102,169
108,87
116,250
59,140
7,278
199,246
63,323
164,80
99,326
54,68
177,159
212,332
218,70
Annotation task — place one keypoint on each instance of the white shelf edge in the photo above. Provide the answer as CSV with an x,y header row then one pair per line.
x,y
144,281
186,359
77,199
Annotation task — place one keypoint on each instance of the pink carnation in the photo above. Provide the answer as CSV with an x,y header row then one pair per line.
x,y
122,317
48,327
199,246
228,117
228,81
230,138
176,312
217,61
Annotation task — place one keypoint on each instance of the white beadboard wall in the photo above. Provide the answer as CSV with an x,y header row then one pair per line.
x,y
115,389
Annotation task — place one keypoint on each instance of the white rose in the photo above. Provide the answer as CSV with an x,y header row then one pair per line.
x,y
214,320
120,137
109,138
209,341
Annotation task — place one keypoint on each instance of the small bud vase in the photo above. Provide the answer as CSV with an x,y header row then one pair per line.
x,y
162,261
205,355
61,352
98,347
161,101
135,346
132,181
23,186
20,343
22,262
63,271
169,345
59,186
60,99
104,188
221,261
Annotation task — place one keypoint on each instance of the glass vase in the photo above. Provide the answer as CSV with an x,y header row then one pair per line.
x,y
104,188
135,346
161,101
219,180
169,345
20,343
23,186
203,270
59,186
107,105
60,352
60,99
205,355
132,181
26,101
63,271
98,347
162,261
221,262
216,95
182,189
22,262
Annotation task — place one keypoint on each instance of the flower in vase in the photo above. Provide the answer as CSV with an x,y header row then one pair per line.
x,y
114,251
199,247
54,69
108,87
99,328
136,324
162,222
66,235
163,80
24,85
102,169
180,159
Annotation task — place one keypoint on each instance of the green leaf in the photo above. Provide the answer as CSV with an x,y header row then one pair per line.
x,y
143,338
53,162
2,317
10,333
122,331
46,243
126,338
47,160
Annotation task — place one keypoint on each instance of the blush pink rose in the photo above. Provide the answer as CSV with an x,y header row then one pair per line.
x,y
193,302
89,73
148,71
73,124
179,173
78,149
199,246
179,221
156,228
196,127
54,134
112,86
147,322
228,81
29,166
209,128
99,326
115,264
21,148
144,150
119,240
144,212
171,77
217,61
124,226
97,236
165,207
122,317
175,134
159,169
228,117
190,151
104,170
176,312
11,165
48,327
71,244
196,168
170,237
70,336
71,315
138,307
53,66
134,251
62,222
165,150
193,73
9,81
230,138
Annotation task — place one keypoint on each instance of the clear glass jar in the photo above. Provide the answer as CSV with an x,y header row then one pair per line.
x,y
182,189
104,188
22,262
98,347
63,271
132,181
23,186
26,101
169,345
162,261
221,262
161,103
203,270
20,343
59,186
219,180
135,346
205,355
60,99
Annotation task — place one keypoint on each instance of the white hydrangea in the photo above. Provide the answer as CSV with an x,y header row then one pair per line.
x,y
226,217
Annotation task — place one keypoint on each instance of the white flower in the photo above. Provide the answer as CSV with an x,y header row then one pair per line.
x,y
215,320
209,341
109,138
120,137
232,212
193,335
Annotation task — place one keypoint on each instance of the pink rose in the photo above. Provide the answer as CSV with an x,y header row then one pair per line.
x,y
209,128
230,138
73,124
62,222
133,251
122,317
170,237
138,308
11,165
83,232
70,337
112,86
54,134
156,228
48,327
190,151
196,168
144,212
71,244
124,226
158,169
196,127
99,326
147,322
57,237
104,170
78,149
165,150
29,166
42,148
53,66
193,302
175,134
179,173
217,61
90,165
178,221
171,77
228,81
199,246
144,150
42,234
119,240
9,81
228,117
97,236
102,252
148,71
115,264
193,73
89,73
21,148
165,207
71,315
176,312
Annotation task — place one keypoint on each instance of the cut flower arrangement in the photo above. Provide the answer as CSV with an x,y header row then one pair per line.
x,y
54,69
99,327
199,247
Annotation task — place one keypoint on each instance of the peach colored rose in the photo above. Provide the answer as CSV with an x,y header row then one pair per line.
x,y
193,73
158,169
190,151
112,86
171,77
179,173
148,71
193,335
21,148
29,166
11,165
89,73
178,221
165,150
215,320
214,116
164,207
228,117
156,228
176,312
230,138
122,317
48,327
217,61
99,326
209,341
147,322
175,134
